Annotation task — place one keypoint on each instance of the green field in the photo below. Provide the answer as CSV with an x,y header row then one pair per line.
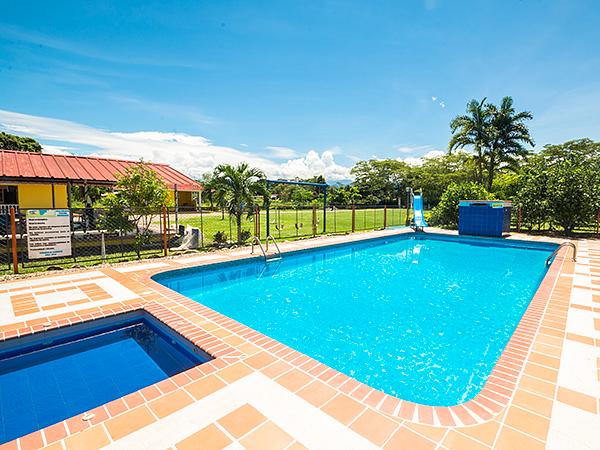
x,y
291,224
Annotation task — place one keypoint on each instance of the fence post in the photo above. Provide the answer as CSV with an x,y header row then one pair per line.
x,y
314,220
353,218
13,230
257,221
102,247
519,221
165,240
384,217
598,223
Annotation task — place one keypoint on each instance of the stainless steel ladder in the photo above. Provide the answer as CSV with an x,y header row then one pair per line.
x,y
256,241
555,252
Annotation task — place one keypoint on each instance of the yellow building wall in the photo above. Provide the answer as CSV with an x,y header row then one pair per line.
x,y
40,196
185,198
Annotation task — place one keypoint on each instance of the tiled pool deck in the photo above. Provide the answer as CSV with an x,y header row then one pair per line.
x,y
260,394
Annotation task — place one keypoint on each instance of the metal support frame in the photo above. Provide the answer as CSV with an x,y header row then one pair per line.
x,y
322,186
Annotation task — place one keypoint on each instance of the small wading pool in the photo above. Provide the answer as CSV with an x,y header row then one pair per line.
x,y
53,375
420,317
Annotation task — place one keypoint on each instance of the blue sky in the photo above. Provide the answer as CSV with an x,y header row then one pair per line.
x,y
294,87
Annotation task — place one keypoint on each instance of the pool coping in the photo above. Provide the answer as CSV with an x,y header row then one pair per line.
x,y
489,403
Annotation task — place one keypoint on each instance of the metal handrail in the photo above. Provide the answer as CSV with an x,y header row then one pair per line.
x,y
276,246
555,252
256,241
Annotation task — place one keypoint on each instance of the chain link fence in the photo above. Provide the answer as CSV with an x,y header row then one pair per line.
x,y
100,235
528,221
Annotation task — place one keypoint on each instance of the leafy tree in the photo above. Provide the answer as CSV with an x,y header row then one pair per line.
x,y
344,195
139,195
19,143
446,212
435,174
507,136
562,185
472,130
506,186
532,193
381,181
238,188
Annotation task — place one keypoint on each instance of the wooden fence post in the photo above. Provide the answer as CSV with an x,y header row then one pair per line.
x,y
519,221
353,218
165,239
13,230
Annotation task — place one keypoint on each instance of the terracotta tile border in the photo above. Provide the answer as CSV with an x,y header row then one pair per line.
x,y
129,406
240,350
493,398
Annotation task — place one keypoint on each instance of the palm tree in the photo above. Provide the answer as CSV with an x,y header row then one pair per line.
x,y
472,129
237,187
508,134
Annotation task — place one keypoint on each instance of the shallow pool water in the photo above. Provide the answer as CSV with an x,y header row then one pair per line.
x,y
421,318
57,374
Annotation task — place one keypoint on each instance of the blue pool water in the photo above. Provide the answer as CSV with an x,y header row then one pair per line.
x,y
423,319
58,374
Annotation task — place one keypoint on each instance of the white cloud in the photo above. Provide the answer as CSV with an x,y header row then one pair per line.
x,y
417,161
57,149
282,152
193,155
315,164
438,101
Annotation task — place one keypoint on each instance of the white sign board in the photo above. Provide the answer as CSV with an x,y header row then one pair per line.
x,y
48,233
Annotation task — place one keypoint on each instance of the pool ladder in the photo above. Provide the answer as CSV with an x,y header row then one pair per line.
x,y
256,241
555,252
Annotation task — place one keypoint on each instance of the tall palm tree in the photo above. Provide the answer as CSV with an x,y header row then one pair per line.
x,y
508,134
238,187
472,129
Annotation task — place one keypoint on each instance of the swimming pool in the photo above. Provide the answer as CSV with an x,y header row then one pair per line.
x,y
54,375
420,317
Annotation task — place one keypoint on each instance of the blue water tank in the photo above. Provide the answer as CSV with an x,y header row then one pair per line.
x,y
484,217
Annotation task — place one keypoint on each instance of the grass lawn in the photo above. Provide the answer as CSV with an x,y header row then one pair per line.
x,y
290,224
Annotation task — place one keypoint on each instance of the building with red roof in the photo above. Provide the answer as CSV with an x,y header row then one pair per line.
x,y
41,180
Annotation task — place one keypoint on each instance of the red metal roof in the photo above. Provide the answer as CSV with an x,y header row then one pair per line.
x,y
43,167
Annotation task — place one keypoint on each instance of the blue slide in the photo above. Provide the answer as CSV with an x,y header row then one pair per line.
x,y
418,219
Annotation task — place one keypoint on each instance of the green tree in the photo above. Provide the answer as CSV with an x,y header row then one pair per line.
x,y
140,194
381,181
446,212
561,185
19,143
532,193
507,136
435,174
472,130
239,187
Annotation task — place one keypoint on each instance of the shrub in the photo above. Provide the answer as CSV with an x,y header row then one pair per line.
x,y
446,212
245,235
220,237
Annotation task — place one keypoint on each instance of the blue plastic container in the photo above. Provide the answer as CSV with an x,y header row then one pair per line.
x,y
484,217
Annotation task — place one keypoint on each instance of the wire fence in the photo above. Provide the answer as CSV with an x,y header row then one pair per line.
x,y
529,221
97,235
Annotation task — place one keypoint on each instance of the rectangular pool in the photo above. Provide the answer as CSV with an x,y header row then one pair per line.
x,y
53,375
420,317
